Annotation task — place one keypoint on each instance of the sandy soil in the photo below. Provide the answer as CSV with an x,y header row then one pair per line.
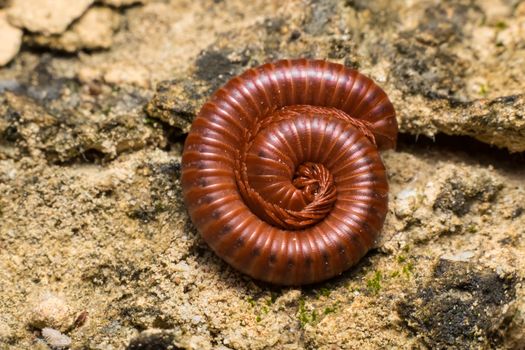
x,y
95,242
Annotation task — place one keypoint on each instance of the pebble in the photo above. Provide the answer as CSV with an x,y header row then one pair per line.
x,y
51,311
10,40
55,338
406,202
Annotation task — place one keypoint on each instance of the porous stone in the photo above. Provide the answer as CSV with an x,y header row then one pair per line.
x,y
46,16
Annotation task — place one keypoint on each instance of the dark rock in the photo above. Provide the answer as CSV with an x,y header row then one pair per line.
x,y
214,67
458,195
428,65
463,306
176,103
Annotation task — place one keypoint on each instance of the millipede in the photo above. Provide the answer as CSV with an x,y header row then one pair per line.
x,y
281,172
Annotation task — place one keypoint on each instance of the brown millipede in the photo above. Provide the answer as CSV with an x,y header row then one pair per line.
x,y
281,171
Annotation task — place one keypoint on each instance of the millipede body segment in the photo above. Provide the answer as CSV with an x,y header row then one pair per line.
x,y
281,171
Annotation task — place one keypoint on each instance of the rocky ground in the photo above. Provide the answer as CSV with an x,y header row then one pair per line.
x,y
96,249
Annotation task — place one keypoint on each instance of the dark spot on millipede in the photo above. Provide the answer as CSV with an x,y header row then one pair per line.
x,y
290,263
207,199
261,154
272,258
341,249
256,251
308,261
372,211
200,165
366,227
326,256
239,242
354,237
225,229
215,214
202,182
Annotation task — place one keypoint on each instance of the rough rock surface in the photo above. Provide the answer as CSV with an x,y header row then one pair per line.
x,y
80,123
91,206
94,30
11,40
46,16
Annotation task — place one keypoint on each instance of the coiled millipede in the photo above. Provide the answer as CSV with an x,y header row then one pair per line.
x,y
281,171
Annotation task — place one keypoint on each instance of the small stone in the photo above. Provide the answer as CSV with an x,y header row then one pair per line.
x,y
56,339
94,30
406,202
196,319
51,311
10,40
46,16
